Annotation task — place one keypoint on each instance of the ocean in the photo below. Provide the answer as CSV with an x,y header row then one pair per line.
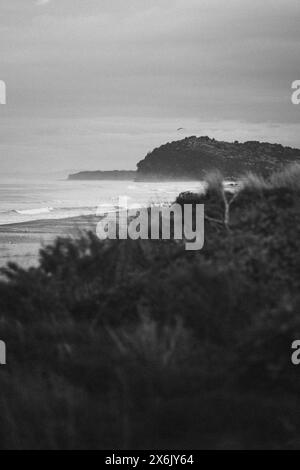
x,y
28,199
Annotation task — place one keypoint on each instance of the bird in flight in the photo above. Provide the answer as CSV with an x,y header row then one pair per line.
x,y
180,129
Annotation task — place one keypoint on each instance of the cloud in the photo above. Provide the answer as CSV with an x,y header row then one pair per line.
x,y
230,64
42,2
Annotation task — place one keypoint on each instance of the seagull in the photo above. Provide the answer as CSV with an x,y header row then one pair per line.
x,y
180,129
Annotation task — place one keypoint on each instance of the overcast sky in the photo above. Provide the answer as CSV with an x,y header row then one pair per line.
x,y
96,84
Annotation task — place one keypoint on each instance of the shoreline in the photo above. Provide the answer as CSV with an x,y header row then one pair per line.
x,y
21,242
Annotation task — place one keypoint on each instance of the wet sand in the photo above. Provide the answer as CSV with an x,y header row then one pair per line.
x,y
21,243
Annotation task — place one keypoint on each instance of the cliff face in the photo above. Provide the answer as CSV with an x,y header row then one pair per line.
x,y
193,157
104,175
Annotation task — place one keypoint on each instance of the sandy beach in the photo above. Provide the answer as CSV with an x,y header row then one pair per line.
x,y
20,243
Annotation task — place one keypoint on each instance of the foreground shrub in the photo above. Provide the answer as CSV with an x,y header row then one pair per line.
x,y
129,344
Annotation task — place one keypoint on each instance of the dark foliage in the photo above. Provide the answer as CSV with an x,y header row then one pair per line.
x,y
130,344
193,157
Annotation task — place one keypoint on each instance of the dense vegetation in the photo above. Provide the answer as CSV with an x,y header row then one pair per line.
x,y
127,344
193,157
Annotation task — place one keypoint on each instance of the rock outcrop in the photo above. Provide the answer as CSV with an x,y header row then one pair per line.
x,y
104,175
193,157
